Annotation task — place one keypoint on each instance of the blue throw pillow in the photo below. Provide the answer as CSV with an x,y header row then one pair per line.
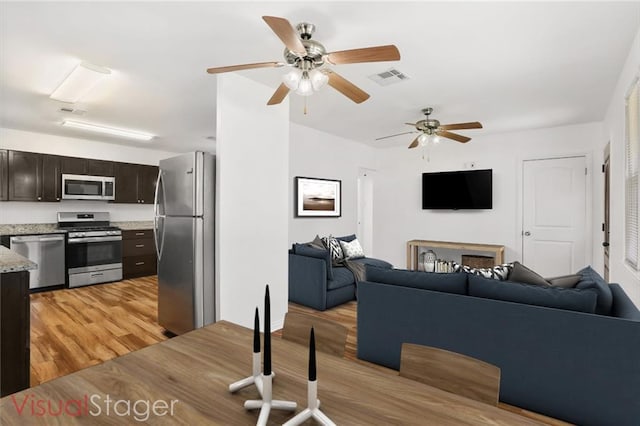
x,y
592,280
552,297
448,283
347,238
305,250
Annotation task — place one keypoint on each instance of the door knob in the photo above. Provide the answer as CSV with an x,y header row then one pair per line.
x,y
527,233
605,244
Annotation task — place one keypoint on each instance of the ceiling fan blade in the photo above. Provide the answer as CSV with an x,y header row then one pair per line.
x,y
411,124
287,34
347,88
392,136
414,143
219,70
454,136
460,126
281,92
367,54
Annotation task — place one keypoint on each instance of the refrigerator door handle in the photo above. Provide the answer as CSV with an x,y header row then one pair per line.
x,y
156,216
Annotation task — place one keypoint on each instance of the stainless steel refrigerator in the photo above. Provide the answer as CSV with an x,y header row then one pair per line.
x,y
184,233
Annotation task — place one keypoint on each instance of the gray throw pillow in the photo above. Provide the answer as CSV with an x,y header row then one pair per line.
x,y
317,243
522,274
564,281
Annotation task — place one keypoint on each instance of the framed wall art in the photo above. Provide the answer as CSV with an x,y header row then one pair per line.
x,y
318,197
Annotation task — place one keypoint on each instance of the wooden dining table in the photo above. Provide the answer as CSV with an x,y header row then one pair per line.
x,y
185,380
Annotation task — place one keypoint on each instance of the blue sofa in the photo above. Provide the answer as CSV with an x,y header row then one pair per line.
x,y
566,363
316,283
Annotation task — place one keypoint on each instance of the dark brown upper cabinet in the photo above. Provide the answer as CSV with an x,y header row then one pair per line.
x,y
30,176
51,177
74,166
34,177
4,175
25,176
100,168
147,178
126,183
135,183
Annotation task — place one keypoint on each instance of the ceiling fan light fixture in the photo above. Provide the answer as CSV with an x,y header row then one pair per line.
x,y
305,88
318,79
292,79
423,139
435,139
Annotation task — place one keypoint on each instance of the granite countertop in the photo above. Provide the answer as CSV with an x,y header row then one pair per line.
x,y
131,226
52,228
10,261
30,228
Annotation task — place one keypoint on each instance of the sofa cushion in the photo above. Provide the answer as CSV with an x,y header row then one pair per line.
x,y
522,274
305,250
448,283
552,297
342,277
592,280
351,249
347,238
370,261
564,281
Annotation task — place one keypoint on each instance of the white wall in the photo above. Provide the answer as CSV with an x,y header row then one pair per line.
x,y
252,179
313,153
614,128
397,192
33,212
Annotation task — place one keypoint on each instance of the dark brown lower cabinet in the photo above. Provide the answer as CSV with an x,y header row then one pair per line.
x,y
14,332
138,254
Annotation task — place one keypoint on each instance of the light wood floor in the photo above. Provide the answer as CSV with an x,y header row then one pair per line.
x,y
76,328
73,329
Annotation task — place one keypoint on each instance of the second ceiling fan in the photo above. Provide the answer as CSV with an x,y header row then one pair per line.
x,y
431,129
306,57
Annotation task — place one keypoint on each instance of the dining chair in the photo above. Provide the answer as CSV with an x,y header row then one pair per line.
x,y
331,337
451,371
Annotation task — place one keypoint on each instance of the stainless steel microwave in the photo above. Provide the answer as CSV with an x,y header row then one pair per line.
x,y
81,187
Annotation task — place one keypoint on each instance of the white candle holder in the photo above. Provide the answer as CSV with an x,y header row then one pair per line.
x,y
266,403
312,410
255,378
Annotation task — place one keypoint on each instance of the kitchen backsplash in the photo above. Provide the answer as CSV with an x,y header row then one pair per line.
x,y
15,212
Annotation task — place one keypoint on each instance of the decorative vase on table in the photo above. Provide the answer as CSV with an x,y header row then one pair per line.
x,y
429,261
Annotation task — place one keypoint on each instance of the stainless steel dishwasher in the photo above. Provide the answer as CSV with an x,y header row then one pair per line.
x,y
47,251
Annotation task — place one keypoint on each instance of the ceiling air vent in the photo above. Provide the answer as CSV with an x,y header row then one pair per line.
x,y
390,76
69,110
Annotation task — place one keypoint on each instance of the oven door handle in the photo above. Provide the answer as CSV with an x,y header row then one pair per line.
x,y
93,239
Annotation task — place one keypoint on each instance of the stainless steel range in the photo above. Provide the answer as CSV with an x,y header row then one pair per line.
x,y
94,248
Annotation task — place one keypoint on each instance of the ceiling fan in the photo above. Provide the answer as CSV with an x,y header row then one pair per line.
x,y
306,57
432,130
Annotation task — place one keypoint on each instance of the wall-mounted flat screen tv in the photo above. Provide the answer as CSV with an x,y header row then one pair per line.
x,y
465,189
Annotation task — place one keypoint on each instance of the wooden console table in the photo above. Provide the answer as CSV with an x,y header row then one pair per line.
x,y
414,245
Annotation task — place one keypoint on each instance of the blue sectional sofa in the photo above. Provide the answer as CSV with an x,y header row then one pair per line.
x,y
316,283
564,361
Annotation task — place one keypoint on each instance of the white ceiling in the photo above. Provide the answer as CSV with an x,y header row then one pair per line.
x,y
511,66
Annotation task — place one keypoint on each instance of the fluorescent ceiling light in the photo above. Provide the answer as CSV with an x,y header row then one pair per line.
x,y
81,80
108,130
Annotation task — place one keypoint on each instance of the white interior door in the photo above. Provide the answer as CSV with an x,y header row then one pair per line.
x,y
365,211
554,215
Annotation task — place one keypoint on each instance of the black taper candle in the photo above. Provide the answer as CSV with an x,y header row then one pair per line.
x,y
312,356
256,333
267,333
